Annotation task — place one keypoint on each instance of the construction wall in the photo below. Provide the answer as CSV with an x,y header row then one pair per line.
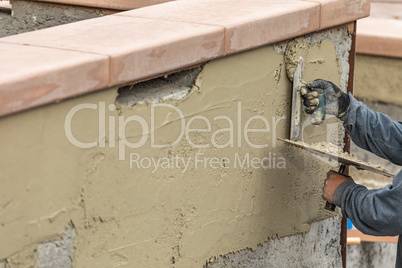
x,y
183,171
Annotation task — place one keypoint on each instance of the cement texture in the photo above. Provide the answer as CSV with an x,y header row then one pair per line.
x,y
378,79
221,188
371,255
296,50
57,253
175,87
29,16
317,248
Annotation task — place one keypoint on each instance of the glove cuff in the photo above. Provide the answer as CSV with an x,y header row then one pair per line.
x,y
343,105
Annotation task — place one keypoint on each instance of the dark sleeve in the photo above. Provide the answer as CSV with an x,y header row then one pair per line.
x,y
378,211
374,212
374,131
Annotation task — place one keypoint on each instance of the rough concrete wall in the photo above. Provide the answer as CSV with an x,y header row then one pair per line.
x,y
371,255
56,253
378,79
110,4
29,16
317,248
246,188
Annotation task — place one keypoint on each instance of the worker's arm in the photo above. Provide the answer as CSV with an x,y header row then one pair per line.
x,y
377,211
374,212
374,131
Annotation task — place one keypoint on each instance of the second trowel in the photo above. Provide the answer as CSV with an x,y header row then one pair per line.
x,y
340,157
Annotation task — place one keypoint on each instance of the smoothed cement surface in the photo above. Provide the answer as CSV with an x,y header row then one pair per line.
x,y
180,215
378,79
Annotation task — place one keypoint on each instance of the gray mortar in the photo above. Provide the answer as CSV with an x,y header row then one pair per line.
x,y
31,16
174,87
57,253
342,42
371,255
317,248
395,112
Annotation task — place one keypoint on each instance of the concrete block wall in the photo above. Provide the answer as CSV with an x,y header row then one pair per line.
x,y
85,166
104,166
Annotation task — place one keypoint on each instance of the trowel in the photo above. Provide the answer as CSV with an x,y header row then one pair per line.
x,y
317,117
343,160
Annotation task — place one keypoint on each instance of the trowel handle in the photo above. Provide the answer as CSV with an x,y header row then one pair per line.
x,y
319,114
328,205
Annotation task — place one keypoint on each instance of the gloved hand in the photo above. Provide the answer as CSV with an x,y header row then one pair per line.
x,y
336,102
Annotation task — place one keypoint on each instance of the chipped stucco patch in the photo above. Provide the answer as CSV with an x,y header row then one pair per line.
x,y
175,86
57,253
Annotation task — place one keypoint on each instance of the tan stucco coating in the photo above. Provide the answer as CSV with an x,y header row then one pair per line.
x,y
129,217
378,79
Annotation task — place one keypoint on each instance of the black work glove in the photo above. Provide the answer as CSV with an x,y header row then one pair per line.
x,y
336,102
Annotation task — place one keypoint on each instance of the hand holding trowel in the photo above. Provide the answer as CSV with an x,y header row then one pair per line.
x,y
322,97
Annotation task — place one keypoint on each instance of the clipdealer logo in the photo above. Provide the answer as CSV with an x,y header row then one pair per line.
x,y
237,129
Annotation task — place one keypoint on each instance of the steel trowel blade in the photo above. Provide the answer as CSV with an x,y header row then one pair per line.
x,y
296,102
359,164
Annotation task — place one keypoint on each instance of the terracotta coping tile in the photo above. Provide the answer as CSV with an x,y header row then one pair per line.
x,y
138,47
381,37
5,5
110,4
33,76
336,12
386,10
154,40
387,1
248,24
